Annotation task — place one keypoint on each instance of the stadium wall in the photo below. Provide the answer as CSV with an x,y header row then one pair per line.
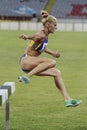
x,y
63,25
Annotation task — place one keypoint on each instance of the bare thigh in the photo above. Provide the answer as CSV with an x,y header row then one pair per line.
x,y
30,62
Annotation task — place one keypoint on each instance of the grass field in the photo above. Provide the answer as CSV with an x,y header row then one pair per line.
x,y
39,105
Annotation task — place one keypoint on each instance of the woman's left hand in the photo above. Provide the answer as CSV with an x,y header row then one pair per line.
x,y
56,54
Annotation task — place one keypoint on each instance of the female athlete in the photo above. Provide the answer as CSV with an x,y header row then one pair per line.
x,y
32,63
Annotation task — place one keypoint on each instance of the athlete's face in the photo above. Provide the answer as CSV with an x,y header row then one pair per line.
x,y
52,27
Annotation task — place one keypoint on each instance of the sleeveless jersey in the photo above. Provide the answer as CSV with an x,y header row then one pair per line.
x,y
39,46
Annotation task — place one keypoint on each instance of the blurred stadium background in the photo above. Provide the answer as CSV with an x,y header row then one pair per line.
x,y
25,14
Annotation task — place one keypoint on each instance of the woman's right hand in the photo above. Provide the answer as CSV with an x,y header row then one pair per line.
x,y
22,36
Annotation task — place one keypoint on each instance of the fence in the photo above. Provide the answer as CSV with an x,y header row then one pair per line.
x,y
63,25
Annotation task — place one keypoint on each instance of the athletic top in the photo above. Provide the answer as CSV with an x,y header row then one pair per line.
x,y
40,47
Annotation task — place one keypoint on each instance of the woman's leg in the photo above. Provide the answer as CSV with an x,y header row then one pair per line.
x,y
36,64
60,85
58,80
49,71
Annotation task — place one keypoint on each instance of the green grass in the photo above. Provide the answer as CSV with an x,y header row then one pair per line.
x,y
39,105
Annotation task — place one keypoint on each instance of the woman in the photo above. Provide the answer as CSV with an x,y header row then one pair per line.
x,y
33,64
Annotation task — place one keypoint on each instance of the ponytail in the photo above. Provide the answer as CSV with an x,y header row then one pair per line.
x,y
47,18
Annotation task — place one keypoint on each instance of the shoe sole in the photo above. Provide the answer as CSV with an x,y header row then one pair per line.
x,y
19,79
72,105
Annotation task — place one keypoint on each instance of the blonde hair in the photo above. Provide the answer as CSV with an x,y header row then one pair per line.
x,y
47,18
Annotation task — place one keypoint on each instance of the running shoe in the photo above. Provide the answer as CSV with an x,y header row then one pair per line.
x,y
73,103
24,79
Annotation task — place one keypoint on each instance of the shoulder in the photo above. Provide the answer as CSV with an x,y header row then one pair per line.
x,y
40,36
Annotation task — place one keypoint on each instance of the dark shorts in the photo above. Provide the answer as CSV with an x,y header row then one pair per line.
x,y
26,71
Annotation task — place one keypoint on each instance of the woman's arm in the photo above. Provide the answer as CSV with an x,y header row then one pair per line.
x,y
30,37
55,54
35,37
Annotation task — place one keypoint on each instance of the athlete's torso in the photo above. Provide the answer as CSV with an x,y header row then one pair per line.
x,y
35,48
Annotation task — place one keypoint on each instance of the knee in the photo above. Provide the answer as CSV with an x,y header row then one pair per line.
x,y
58,72
52,63
55,72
